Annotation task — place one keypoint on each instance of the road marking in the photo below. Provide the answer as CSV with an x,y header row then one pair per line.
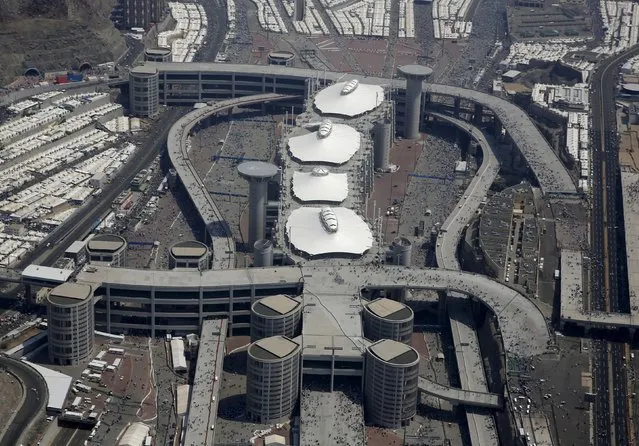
x,y
71,439
175,219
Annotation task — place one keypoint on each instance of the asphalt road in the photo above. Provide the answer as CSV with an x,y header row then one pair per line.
x,y
607,262
34,403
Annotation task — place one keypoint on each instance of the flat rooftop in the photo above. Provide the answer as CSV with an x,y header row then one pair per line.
x,y
273,348
70,293
276,305
394,352
389,309
189,249
106,243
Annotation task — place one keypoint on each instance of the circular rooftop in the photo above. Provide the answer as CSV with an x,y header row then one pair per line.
x,y
631,88
395,353
158,51
281,55
275,348
275,306
389,309
257,170
349,98
106,243
415,70
189,249
69,294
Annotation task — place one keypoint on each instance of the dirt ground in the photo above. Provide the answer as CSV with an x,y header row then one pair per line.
x,y
381,437
9,397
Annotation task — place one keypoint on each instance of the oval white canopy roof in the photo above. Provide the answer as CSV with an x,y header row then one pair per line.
x,y
306,232
337,148
349,98
320,185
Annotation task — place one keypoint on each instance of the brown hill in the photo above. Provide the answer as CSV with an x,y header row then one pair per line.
x,y
55,35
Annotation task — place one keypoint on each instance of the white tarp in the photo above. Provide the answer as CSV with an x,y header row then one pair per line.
x,y
306,232
362,99
317,186
337,148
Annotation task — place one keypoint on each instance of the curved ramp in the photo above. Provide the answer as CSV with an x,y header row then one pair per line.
x,y
217,228
459,396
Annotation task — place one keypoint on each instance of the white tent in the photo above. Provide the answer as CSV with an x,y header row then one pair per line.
x,y
337,148
345,100
306,232
320,185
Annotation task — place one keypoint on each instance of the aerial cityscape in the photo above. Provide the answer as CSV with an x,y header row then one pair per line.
x,y
319,222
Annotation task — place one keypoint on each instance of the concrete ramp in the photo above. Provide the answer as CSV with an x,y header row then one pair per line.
x,y
459,396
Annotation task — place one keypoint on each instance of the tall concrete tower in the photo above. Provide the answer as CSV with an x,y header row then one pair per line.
x,y
257,173
415,75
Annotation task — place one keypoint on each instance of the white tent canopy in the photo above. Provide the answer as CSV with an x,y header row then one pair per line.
x,y
336,148
320,185
306,232
345,100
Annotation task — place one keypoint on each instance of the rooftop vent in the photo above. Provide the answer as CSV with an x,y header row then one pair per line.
x,y
328,220
350,86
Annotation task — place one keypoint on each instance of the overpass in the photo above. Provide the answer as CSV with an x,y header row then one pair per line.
x,y
459,396
216,227
240,79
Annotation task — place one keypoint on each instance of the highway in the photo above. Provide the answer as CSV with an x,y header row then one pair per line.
x,y
611,408
33,405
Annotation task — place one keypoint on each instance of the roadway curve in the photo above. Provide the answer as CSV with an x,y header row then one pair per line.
x,y
451,230
217,228
550,172
33,403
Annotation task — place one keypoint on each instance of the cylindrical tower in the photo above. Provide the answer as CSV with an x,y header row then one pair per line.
x,y
263,253
189,254
257,173
388,319
382,140
276,316
415,76
272,379
402,251
144,98
390,383
159,54
107,248
70,323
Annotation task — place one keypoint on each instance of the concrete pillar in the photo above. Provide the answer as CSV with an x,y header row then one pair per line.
x,y
415,76
153,312
257,173
108,309
443,308
479,112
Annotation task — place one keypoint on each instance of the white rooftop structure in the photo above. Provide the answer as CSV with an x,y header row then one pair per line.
x,y
337,147
351,98
57,383
320,185
134,435
341,231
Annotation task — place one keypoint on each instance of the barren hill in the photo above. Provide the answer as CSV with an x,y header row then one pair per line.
x,y
55,35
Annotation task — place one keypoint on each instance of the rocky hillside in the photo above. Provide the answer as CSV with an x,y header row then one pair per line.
x,y
55,35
